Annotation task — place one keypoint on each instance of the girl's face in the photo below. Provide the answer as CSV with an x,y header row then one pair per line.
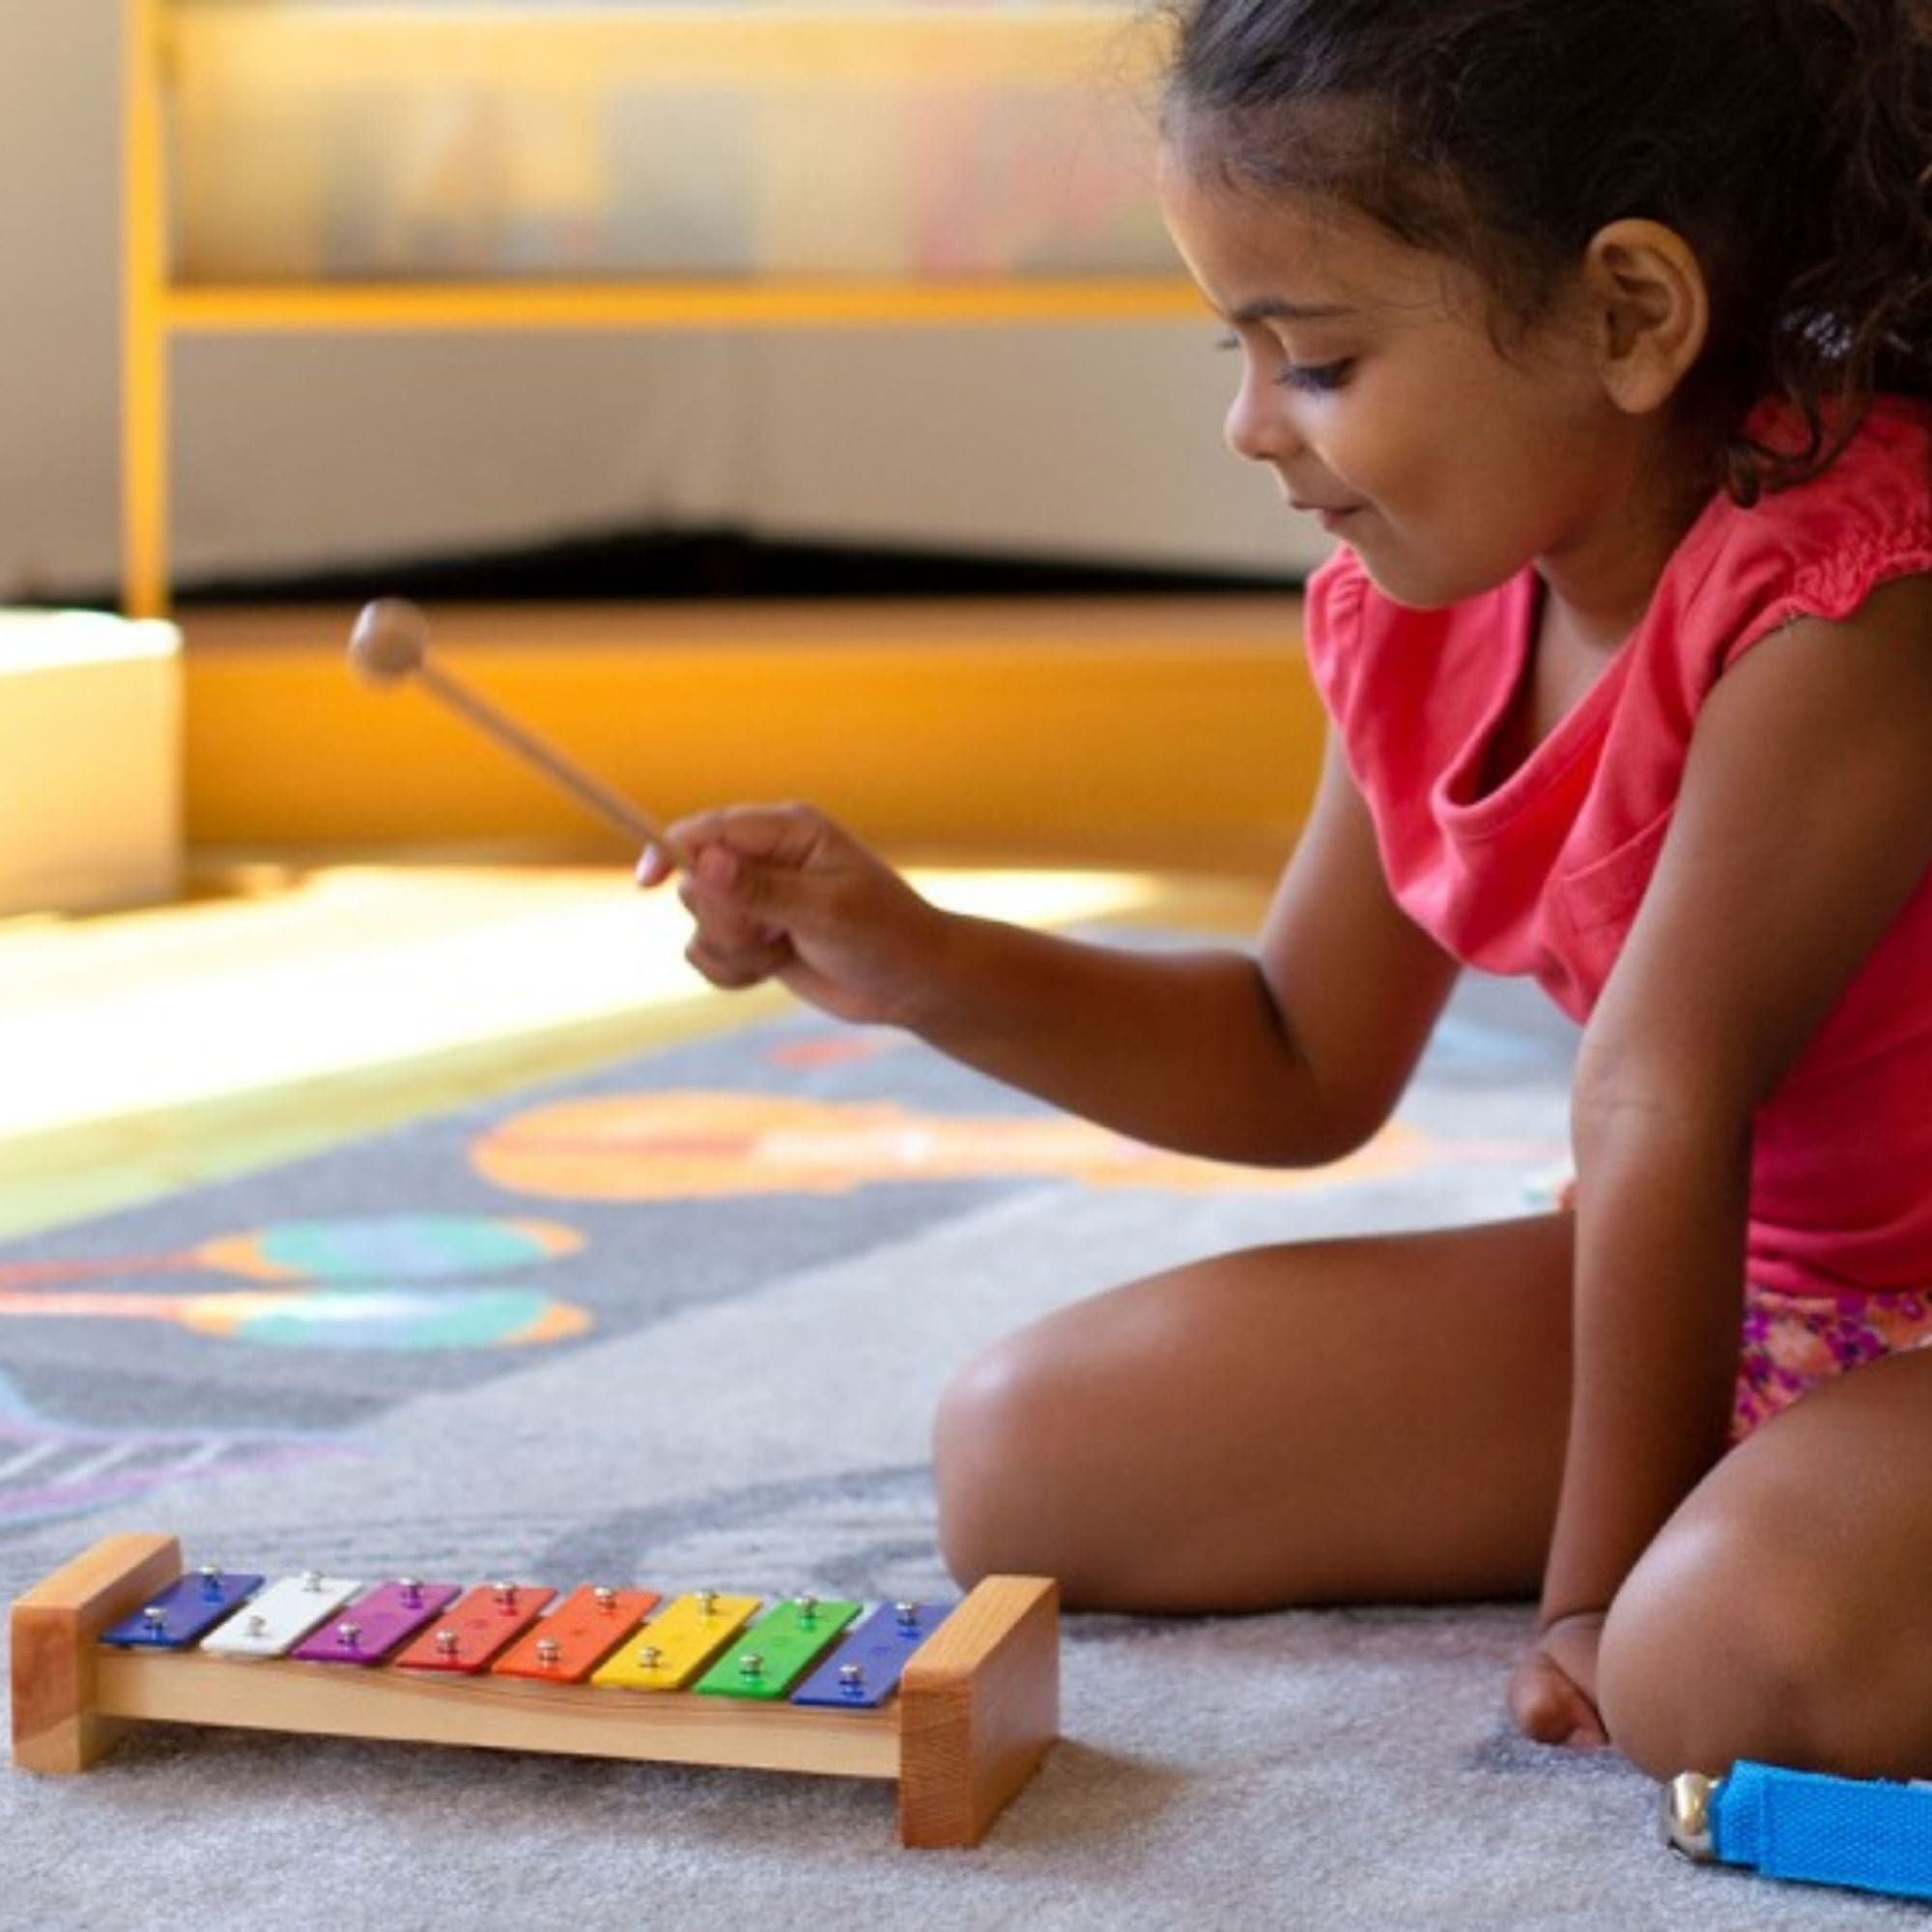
x,y
1371,384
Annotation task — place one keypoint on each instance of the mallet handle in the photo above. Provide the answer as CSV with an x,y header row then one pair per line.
x,y
610,806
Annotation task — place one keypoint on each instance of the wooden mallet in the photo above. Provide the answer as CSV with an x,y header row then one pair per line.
x,y
391,643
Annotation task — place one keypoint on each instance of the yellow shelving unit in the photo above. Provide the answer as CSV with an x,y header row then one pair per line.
x,y
189,60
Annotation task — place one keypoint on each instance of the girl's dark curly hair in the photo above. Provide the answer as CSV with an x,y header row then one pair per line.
x,y
1788,141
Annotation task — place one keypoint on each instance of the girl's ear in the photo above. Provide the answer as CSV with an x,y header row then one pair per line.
x,y
1646,289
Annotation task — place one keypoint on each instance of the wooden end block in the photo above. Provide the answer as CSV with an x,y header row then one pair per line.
x,y
55,1628
978,1708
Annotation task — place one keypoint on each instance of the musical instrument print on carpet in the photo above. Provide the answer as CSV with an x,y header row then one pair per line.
x,y
692,1144
390,1284
392,1247
304,1310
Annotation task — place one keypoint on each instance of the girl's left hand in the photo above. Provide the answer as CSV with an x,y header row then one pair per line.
x,y
1552,1695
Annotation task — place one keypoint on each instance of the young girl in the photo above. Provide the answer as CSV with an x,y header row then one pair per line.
x,y
1599,332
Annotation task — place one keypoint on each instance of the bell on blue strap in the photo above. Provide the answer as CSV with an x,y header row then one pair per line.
x,y
1873,1836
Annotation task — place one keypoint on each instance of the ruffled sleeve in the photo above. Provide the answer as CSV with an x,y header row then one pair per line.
x,y
1822,549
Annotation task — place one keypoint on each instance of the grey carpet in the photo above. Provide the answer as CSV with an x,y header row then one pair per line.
x,y
751,1407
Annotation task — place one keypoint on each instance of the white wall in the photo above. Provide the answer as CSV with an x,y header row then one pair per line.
x,y
1098,443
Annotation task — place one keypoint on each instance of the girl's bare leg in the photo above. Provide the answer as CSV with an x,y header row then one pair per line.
x,y
1784,1613
1373,1419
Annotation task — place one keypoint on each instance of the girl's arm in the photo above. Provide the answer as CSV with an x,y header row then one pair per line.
x,y
1804,825
1291,1054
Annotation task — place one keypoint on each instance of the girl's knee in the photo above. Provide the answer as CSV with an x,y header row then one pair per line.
x,y
1036,1450
1720,1647
970,1434
997,1453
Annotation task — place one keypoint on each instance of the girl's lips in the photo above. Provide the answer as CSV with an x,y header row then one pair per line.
x,y
1330,519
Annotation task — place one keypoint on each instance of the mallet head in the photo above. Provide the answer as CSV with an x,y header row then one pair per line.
x,y
390,641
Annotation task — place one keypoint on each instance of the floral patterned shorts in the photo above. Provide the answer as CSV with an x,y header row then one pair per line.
x,y
1793,1341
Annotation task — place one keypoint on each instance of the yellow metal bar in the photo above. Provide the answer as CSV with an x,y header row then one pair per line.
x,y
673,304
143,328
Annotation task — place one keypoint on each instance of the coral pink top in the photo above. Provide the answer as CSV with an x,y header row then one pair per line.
x,y
1542,874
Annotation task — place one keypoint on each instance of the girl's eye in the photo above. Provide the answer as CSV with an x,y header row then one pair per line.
x,y
1317,377
1314,377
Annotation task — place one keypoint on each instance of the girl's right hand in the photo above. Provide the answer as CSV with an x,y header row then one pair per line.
x,y
783,893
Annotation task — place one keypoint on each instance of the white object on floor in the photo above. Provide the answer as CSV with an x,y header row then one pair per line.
x,y
90,761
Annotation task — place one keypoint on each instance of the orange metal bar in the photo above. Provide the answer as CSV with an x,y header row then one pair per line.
x,y
673,304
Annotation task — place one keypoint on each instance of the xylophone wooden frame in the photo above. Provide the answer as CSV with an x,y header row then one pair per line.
x,y
976,1709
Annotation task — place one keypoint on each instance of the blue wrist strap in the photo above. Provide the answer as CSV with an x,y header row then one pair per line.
x,y
1830,1830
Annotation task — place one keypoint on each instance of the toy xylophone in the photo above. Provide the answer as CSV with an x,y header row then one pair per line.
x,y
958,1706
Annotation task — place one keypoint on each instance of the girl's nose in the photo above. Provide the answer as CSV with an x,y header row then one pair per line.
x,y
1255,427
